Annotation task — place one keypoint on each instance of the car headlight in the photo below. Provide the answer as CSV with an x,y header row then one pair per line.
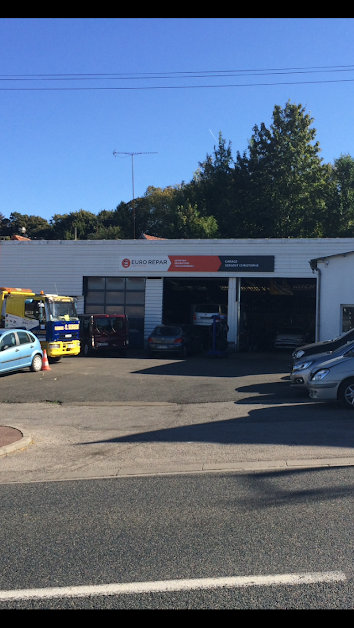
x,y
54,346
302,366
298,354
319,375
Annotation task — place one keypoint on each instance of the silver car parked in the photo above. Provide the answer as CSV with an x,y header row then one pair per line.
x,y
303,368
334,380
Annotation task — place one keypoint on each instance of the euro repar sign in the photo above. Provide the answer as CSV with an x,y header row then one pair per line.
x,y
140,262
230,264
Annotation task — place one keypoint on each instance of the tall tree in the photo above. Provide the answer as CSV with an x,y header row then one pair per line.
x,y
340,215
211,188
287,182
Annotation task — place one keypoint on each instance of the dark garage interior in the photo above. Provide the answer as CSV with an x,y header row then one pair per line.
x,y
180,295
266,305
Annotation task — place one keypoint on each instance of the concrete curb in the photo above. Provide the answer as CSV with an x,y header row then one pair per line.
x,y
234,467
190,469
18,445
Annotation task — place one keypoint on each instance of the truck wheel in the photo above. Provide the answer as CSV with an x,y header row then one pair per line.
x,y
54,360
86,350
36,363
346,393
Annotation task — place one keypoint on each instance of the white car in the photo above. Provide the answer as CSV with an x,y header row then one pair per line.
x,y
203,313
290,338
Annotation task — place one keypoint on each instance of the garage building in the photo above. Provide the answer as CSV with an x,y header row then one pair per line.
x,y
266,284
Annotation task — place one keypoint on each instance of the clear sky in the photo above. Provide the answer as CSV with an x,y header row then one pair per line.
x,y
56,148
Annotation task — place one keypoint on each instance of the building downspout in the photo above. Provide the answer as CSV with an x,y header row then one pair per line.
x,y
318,305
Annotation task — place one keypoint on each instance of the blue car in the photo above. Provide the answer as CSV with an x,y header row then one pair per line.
x,y
18,349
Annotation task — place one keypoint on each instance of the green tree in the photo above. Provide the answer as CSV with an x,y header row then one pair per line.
x,y
286,192
36,227
64,225
211,188
340,214
167,213
4,227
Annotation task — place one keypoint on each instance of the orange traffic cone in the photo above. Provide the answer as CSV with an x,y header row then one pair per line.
x,y
45,363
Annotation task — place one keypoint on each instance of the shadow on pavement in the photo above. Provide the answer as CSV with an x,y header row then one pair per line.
x,y
305,424
274,489
272,392
234,365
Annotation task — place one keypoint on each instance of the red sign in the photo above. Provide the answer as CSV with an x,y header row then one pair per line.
x,y
196,263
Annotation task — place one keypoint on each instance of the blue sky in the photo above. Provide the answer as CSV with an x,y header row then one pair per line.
x,y
56,146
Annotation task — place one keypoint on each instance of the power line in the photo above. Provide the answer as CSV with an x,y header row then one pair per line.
x,y
124,75
147,76
164,87
106,77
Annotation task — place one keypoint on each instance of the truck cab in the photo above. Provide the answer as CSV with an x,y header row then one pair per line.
x,y
50,317
104,333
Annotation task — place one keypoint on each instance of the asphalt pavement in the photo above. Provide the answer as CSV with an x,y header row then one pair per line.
x,y
75,544
195,480
95,420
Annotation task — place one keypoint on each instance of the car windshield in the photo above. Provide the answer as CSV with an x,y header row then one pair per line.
x,y
343,337
166,331
108,325
291,330
209,308
62,310
348,346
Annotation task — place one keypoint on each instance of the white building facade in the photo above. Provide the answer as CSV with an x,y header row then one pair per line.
x,y
260,280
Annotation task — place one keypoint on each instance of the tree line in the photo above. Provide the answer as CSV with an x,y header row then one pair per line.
x,y
279,187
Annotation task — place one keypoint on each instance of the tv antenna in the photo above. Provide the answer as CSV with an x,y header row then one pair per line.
x,y
115,153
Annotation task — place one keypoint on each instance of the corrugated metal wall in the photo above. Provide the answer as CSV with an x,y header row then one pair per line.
x,y
153,304
59,266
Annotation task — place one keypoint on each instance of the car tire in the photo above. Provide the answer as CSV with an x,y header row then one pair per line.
x,y
36,363
346,393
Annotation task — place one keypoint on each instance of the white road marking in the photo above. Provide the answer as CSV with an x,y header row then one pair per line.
x,y
165,586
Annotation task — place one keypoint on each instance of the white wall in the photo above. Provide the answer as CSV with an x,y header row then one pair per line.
x,y
337,288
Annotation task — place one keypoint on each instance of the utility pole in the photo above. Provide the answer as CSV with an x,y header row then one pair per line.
x,y
115,153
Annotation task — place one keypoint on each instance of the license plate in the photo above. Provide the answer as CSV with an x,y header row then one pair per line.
x,y
161,346
70,346
102,344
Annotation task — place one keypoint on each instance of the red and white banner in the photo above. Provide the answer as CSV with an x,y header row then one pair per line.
x,y
198,263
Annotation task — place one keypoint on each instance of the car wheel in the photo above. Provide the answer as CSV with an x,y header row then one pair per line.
x,y
346,393
36,363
